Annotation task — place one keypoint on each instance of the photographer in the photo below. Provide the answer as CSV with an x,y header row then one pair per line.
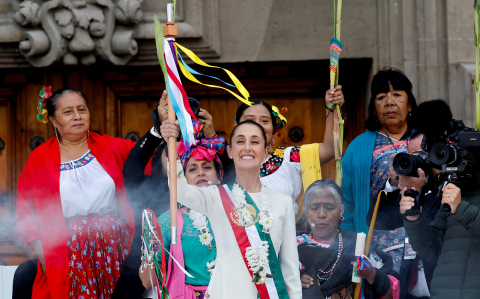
x,y
452,239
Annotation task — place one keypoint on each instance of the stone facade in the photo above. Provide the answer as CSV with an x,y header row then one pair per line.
x,y
431,40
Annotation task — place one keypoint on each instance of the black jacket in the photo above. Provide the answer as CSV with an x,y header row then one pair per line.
x,y
142,192
453,240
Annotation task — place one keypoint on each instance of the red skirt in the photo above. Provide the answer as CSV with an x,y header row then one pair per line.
x,y
98,245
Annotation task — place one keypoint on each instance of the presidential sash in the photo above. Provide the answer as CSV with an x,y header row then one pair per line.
x,y
273,288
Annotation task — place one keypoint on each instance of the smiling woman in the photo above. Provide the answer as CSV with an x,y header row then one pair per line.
x,y
254,226
366,160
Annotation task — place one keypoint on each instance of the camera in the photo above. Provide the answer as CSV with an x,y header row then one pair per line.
x,y
406,164
448,145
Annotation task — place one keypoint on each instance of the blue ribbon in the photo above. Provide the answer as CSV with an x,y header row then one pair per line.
x,y
197,73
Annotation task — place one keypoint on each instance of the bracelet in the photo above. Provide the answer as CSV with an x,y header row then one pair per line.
x,y
331,110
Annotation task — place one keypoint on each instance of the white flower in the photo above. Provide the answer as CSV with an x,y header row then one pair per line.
x,y
262,274
211,267
261,281
206,239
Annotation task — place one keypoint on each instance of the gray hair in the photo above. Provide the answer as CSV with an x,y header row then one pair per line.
x,y
320,186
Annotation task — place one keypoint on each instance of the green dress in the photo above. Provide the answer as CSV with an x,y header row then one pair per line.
x,y
195,254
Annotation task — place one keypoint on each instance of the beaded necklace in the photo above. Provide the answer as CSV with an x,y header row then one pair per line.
x,y
340,250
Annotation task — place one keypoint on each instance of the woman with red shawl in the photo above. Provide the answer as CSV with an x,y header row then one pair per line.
x,y
72,210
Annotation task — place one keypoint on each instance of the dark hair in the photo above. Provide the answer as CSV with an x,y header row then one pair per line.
x,y
249,122
381,82
52,101
244,107
157,165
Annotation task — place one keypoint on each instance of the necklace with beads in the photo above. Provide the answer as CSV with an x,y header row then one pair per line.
x,y
340,250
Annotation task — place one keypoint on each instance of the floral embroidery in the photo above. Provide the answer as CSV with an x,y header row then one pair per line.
x,y
95,266
279,152
87,158
275,160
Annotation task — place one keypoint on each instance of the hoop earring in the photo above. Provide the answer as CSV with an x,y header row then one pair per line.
x,y
56,135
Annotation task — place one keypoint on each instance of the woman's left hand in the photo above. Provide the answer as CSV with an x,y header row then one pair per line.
x,y
452,196
368,273
169,128
209,131
335,96
307,281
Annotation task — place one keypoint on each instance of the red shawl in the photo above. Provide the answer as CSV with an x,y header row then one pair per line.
x,y
39,209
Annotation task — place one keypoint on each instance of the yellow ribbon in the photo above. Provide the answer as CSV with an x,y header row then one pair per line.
x,y
311,171
191,77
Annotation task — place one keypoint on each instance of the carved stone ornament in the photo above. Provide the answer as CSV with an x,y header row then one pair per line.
x,y
78,31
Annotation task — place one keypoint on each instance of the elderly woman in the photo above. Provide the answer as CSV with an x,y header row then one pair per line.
x,y
367,159
324,210
72,208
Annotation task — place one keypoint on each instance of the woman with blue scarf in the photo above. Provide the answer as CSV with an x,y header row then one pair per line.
x,y
367,159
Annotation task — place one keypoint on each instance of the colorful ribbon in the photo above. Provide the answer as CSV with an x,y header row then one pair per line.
x,y
335,51
243,91
44,94
281,120
178,96
359,263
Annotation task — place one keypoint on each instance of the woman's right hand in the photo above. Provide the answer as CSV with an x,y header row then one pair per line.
x,y
307,281
36,252
406,204
169,128
147,276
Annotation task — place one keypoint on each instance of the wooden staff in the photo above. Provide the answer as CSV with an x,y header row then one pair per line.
x,y
358,287
170,30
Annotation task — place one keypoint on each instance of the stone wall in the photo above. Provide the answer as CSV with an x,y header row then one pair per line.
x,y
429,39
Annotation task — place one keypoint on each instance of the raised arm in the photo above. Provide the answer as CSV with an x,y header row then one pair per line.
x,y
326,150
201,200
289,256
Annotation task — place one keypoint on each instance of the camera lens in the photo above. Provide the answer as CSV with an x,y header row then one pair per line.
x,y
440,153
403,164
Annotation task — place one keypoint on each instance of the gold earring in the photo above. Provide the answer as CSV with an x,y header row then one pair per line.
x,y
311,224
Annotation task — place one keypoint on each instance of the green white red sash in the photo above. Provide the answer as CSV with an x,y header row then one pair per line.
x,y
274,288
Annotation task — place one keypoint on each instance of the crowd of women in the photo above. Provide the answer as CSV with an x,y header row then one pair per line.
x,y
81,196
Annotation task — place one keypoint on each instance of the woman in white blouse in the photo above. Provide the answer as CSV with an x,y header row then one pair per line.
x,y
72,208
254,226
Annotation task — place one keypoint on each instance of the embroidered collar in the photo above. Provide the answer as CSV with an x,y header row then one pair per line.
x,y
84,160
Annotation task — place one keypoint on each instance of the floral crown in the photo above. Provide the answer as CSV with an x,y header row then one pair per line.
x,y
281,120
42,115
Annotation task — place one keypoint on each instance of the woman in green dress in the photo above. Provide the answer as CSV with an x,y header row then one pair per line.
x,y
196,251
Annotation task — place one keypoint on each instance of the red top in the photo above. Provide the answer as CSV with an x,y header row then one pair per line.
x,y
39,208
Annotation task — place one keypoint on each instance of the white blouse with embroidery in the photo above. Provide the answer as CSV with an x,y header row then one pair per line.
x,y
85,187
287,179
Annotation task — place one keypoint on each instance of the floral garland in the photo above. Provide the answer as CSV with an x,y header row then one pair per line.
x,y
257,260
206,238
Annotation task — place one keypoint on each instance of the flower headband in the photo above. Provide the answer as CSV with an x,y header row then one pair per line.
x,y
204,148
281,120
42,115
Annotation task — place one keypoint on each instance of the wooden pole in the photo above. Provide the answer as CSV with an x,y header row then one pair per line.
x,y
172,174
369,240
170,30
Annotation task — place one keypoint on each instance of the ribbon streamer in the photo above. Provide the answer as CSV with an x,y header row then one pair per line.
x,y
243,91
